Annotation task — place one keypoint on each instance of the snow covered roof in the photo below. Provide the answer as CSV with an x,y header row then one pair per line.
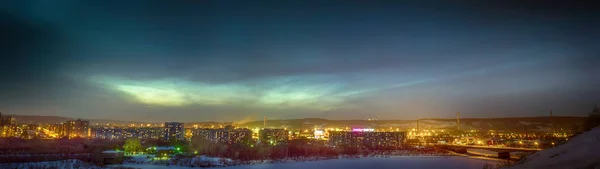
x,y
164,148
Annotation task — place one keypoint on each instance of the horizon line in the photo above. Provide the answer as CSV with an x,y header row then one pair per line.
x,y
428,118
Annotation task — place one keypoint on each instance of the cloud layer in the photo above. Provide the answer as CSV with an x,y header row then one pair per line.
x,y
212,60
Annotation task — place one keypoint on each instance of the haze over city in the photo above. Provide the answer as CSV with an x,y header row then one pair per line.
x,y
227,61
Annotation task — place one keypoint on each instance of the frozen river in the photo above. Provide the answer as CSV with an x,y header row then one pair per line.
x,y
399,162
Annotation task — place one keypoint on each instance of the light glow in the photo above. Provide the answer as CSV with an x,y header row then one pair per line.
x,y
362,130
181,92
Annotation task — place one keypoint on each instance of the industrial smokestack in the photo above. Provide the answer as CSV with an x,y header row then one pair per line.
x,y
265,123
458,121
418,125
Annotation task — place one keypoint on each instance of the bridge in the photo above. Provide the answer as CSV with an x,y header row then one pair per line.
x,y
503,152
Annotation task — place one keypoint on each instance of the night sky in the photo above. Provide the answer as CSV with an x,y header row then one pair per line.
x,y
232,60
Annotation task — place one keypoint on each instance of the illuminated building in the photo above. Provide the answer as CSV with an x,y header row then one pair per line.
x,y
174,131
122,133
150,133
8,131
55,129
273,136
8,126
109,133
302,134
319,134
76,129
229,135
367,138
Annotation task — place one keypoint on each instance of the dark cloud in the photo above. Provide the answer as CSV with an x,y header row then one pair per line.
x,y
32,51
382,58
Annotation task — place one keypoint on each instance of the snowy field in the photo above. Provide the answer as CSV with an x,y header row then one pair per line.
x,y
64,164
395,162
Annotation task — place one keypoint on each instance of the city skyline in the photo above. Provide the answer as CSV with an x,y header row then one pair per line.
x,y
218,61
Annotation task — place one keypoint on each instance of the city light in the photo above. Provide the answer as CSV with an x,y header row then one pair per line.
x,y
319,134
388,137
362,130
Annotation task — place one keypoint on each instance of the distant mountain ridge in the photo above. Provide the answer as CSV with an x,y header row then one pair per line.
x,y
39,119
544,123
506,124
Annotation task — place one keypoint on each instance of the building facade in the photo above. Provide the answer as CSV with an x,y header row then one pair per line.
x,y
273,136
8,126
228,135
174,131
7,120
111,133
367,139
76,129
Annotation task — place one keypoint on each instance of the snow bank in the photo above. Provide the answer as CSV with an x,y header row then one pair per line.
x,y
403,162
582,151
64,164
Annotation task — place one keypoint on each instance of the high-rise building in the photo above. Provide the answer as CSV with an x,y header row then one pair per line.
x,y
7,120
76,129
229,135
122,133
273,136
367,138
174,131
8,131
8,126
55,128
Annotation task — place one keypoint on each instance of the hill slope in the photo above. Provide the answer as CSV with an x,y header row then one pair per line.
x,y
582,151
506,124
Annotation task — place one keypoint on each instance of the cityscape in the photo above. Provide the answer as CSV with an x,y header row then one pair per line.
x,y
412,132
315,139
299,84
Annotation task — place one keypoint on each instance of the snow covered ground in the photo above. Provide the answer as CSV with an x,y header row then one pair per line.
x,y
395,162
582,151
64,164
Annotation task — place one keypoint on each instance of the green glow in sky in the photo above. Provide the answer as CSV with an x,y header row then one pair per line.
x,y
179,92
